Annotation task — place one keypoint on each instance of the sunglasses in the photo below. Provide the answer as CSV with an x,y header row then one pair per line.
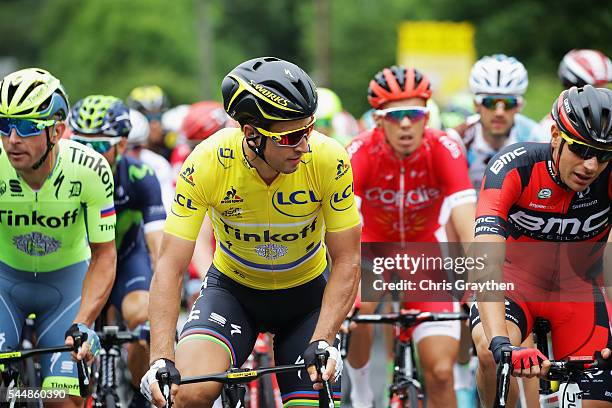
x,y
290,138
24,127
396,115
156,116
585,152
491,102
99,144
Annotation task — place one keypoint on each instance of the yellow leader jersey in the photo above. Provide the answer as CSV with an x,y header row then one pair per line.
x,y
267,236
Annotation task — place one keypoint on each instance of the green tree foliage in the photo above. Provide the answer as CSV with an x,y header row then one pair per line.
x,y
187,46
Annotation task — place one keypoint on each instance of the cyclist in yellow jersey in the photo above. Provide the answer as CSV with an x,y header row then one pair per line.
x,y
279,195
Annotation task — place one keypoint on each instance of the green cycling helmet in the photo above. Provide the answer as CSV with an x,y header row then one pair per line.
x,y
32,93
329,104
100,114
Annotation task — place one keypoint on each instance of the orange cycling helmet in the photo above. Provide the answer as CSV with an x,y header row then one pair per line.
x,y
396,83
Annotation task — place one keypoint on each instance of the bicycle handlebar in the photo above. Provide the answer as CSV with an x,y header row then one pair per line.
x,y
236,376
560,370
82,371
408,319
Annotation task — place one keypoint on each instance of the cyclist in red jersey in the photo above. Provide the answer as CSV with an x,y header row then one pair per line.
x,y
403,172
538,193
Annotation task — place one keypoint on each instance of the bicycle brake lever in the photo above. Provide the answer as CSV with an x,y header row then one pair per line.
x,y
164,382
82,371
321,362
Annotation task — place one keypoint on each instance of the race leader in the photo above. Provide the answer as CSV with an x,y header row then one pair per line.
x,y
278,194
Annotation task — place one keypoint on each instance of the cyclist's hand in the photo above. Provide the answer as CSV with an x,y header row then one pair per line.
x,y
529,362
91,342
526,362
149,386
606,353
333,368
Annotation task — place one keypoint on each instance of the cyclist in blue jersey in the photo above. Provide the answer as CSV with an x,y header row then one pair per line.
x,y
103,123
57,222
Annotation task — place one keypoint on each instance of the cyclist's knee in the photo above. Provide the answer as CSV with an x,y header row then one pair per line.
x,y
134,308
440,375
197,395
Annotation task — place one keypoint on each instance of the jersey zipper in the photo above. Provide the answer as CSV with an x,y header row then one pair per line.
x,y
402,201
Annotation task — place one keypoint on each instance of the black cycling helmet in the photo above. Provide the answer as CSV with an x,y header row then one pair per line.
x,y
584,114
268,89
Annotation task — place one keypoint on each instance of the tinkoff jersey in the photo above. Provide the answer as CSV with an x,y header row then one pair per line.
x,y
267,236
49,229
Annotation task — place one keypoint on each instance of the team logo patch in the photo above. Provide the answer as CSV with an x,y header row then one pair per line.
x,y
187,175
341,168
271,251
231,197
36,244
544,193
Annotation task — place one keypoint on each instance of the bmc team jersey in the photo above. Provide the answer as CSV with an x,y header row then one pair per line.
x,y
49,229
401,199
138,203
267,236
479,152
522,199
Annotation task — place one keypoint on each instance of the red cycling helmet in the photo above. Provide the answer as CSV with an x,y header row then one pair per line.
x,y
585,67
396,83
203,119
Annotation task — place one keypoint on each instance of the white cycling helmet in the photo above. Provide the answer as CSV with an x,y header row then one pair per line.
x,y
139,135
585,67
498,74
172,119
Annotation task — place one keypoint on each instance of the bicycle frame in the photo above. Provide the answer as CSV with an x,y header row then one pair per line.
x,y
405,372
111,339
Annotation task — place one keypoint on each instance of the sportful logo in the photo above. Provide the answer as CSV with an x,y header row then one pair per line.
x,y
15,186
231,197
506,158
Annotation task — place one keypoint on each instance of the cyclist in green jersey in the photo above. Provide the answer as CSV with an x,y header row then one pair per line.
x,y
57,222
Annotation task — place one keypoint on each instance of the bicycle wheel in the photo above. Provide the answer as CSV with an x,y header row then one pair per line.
x,y
412,400
265,386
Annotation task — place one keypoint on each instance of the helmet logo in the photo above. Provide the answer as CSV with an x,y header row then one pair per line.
x,y
269,94
566,104
288,73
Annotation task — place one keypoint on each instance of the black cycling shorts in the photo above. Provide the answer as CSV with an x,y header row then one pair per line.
x,y
232,315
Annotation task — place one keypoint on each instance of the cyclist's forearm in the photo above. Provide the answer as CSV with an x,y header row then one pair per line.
x,y
98,282
164,304
338,299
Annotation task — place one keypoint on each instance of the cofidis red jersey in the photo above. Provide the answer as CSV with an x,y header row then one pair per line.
x,y
401,199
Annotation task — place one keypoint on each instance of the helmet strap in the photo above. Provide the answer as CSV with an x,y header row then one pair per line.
x,y
50,147
258,149
556,163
